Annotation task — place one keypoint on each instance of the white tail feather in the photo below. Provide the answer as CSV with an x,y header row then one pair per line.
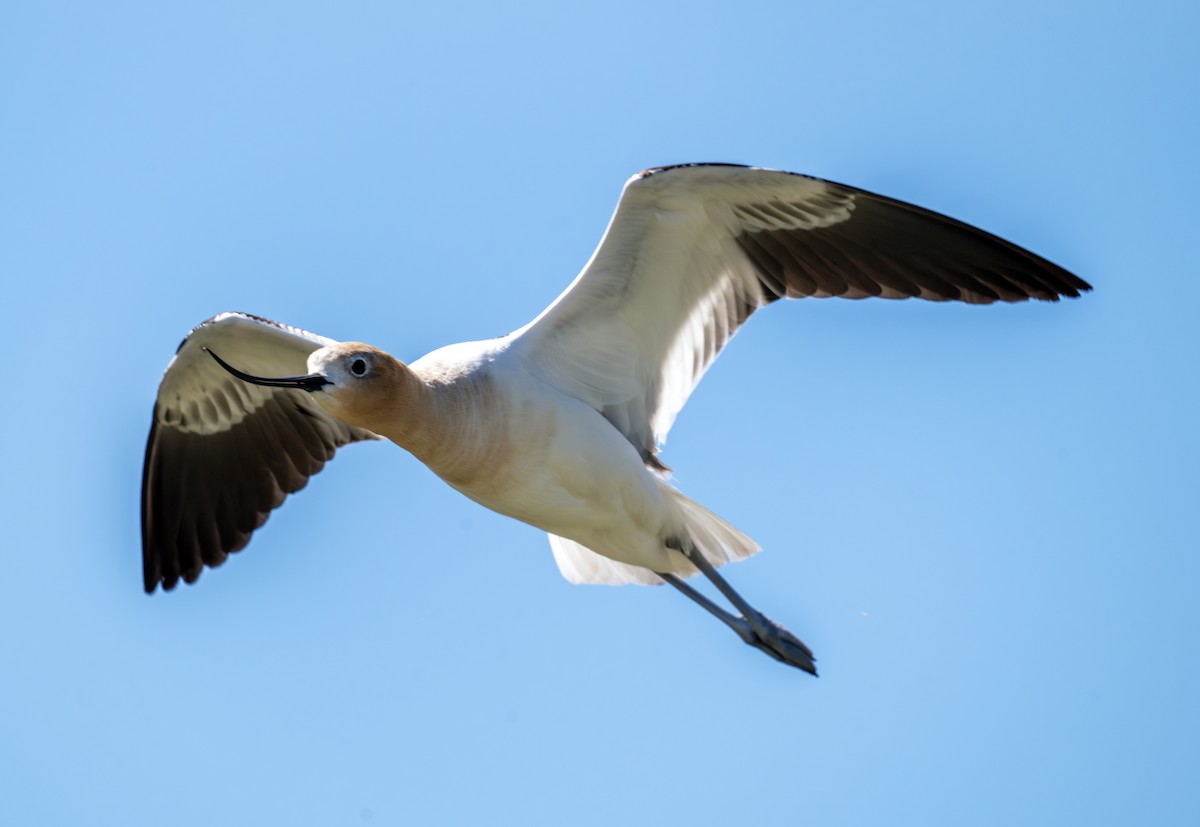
x,y
720,543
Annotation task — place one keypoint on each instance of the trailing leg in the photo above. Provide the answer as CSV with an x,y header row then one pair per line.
x,y
752,626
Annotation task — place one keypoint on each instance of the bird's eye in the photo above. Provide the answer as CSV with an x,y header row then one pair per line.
x,y
358,367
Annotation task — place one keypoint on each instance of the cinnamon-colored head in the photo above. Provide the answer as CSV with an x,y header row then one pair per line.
x,y
365,386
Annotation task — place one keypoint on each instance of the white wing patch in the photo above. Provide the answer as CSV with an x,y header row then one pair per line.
x,y
666,290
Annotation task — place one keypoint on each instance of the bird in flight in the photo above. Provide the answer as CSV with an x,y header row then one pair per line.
x,y
559,423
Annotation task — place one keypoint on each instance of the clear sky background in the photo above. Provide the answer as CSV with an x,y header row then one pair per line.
x,y
982,519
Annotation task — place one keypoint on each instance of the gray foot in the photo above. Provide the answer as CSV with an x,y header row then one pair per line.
x,y
768,636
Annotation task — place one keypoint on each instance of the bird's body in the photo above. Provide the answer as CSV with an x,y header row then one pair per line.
x,y
527,450
559,423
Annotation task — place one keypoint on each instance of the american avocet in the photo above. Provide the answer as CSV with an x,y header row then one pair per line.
x,y
558,424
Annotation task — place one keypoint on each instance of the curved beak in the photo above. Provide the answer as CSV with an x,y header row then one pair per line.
x,y
312,382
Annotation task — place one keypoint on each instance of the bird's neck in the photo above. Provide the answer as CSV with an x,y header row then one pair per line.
x,y
446,421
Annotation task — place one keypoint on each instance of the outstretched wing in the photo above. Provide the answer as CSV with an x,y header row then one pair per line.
x,y
693,250
222,453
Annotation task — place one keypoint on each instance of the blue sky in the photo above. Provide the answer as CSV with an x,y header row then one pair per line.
x,y
981,519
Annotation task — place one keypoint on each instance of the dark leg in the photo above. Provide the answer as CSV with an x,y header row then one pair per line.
x,y
753,627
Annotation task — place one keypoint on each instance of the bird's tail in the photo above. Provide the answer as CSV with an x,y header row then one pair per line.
x,y
717,540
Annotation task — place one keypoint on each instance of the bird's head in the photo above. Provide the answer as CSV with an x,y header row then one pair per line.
x,y
351,381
